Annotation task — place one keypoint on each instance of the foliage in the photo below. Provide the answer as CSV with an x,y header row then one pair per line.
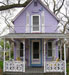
x,y
2,44
67,68
1,64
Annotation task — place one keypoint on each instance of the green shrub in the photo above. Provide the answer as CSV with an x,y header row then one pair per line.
x,y
1,64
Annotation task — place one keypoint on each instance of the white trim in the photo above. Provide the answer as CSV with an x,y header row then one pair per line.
x,y
29,52
24,55
43,23
44,56
27,22
4,56
65,57
39,53
32,23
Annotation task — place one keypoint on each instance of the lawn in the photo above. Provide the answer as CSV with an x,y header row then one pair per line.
x,y
67,68
1,64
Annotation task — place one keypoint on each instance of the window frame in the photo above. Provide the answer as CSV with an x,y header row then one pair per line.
x,y
32,23
48,51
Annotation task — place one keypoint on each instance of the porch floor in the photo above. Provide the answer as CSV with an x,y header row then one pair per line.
x,y
34,70
16,73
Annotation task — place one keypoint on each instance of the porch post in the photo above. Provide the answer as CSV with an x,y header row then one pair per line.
x,y
24,55
60,51
44,56
10,51
65,56
4,56
15,50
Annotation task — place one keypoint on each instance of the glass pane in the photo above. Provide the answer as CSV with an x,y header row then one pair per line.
x,y
35,23
21,49
35,28
49,48
35,20
36,50
49,52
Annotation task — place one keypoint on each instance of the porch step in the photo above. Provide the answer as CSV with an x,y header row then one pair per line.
x,y
14,73
34,70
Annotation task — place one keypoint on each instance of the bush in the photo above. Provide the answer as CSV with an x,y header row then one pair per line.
x,y
1,64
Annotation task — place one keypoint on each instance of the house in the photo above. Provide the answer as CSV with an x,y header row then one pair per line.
x,y
35,38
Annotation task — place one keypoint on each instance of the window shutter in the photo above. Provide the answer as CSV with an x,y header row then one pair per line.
x,y
54,49
43,21
27,23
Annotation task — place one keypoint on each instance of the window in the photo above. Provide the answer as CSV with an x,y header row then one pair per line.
x,y
49,49
35,3
35,23
21,49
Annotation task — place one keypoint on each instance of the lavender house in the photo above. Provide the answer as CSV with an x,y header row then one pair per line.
x,y
35,40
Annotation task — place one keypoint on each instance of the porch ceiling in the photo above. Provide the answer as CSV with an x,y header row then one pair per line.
x,y
36,35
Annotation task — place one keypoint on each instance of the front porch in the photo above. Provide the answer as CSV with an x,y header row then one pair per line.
x,y
28,64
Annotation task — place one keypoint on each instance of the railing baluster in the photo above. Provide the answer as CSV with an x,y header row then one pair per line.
x,y
14,66
53,66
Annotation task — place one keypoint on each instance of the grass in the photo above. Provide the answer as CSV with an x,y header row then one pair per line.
x,y
1,64
67,68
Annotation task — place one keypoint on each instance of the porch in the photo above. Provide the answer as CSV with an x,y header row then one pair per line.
x,y
56,64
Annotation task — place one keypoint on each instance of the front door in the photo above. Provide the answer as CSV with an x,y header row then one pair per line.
x,y
36,53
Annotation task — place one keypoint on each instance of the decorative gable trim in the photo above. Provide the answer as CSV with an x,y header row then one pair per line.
x,y
43,21
49,10
23,9
41,4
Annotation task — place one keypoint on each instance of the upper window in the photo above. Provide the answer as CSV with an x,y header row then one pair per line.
x,y
35,23
49,49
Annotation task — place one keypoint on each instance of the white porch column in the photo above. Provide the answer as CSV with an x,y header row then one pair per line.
x,y
24,55
44,56
65,56
60,51
4,56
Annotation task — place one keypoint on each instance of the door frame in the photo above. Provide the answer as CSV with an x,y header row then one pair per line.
x,y
31,45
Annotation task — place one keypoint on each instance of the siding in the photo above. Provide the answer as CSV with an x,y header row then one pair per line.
x,y
50,22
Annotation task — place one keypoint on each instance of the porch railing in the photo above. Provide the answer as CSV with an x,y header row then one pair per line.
x,y
14,66
53,66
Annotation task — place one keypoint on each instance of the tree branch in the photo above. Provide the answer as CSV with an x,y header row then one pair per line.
x,y
57,10
6,7
2,3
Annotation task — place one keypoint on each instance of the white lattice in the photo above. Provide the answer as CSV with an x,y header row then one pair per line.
x,y
53,66
14,66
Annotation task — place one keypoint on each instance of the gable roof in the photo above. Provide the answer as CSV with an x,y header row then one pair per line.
x,y
42,5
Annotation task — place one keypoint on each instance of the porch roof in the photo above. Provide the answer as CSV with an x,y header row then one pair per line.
x,y
35,35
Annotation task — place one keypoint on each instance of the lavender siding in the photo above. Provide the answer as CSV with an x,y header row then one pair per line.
x,y
20,27
50,21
